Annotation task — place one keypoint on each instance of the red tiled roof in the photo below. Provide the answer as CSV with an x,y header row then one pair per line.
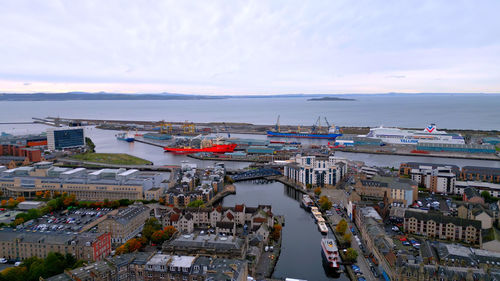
x,y
230,216
174,217
239,208
261,220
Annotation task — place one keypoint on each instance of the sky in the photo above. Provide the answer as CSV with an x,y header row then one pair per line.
x,y
250,47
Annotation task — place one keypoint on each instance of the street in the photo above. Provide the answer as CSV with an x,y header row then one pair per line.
x,y
335,196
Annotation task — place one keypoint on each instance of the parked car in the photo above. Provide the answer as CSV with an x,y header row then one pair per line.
x,y
3,260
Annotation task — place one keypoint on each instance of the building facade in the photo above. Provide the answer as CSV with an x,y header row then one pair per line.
x,y
126,224
316,170
65,138
435,225
23,245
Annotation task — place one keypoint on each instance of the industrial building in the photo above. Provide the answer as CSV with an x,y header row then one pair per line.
x,y
464,148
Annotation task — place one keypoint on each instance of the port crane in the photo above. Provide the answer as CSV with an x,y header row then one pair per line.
x,y
188,128
227,130
316,125
277,126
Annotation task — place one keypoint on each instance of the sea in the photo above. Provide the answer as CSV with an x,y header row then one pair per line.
x,y
475,112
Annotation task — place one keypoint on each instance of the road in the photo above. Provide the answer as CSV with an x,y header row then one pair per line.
x,y
335,196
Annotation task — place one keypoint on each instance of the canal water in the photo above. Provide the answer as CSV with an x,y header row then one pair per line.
x,y
301,251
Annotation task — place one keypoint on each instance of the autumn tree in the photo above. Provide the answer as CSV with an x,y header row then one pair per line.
x,y
4,202
276,232
341,226
347,236
20,199
325,203
317,191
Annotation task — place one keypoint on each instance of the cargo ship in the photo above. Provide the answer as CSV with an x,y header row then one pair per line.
x,y
214,148
428,135
315,133
330,254
128,137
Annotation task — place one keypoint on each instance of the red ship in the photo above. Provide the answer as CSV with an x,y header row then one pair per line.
x,y
214,148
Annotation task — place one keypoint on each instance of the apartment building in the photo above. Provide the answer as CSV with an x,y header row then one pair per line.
x,y
475,173
492,188
111,184
126,224
23,245
189,184
397,190
190,268
436,225
435,177
316,171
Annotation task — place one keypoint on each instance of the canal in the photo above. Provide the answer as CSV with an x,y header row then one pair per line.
x,y
300,252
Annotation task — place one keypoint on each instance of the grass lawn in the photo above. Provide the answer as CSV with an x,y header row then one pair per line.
x,y
111,158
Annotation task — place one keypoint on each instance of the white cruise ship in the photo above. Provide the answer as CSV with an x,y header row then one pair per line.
x,y
429,135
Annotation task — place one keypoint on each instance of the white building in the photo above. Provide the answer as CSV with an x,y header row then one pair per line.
x,y
436,179
316,170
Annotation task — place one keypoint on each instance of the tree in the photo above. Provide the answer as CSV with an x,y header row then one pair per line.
x,y
12,203
20,199
317,191
347,237
169,231
4,202
488,198
39,193
351,255
150,226
325,203
276,232
90,144
18,221
309,186
341,227
196,203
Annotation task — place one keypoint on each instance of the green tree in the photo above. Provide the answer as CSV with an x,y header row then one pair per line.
x,y
196,203
341,227
488,198
351,255
150,226
90,144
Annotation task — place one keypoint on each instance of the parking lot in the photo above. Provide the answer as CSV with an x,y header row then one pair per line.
x,y
66,221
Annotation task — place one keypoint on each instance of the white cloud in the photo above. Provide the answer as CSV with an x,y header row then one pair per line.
x,y
249,46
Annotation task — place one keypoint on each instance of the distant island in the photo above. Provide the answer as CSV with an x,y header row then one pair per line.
x,y
330,99
68,96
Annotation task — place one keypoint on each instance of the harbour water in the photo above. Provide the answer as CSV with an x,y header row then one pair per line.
x,y
417,111
300,251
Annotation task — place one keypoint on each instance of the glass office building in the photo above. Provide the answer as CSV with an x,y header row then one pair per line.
x,y
60,139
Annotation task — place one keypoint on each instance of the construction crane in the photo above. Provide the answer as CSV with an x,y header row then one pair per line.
x,y
227,130
277,127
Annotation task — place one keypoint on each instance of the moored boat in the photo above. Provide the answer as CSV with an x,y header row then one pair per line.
x,y
322,227
330,253
306,202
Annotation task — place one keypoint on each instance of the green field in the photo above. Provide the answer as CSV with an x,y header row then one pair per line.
x,y
111,158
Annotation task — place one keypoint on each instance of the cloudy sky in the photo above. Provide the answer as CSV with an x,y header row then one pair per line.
x,y
250,47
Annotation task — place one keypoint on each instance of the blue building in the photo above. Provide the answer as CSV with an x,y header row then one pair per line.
x,y
64,138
